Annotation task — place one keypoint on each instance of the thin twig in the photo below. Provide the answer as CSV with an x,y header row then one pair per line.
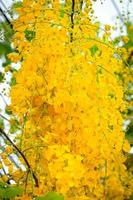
x,y
72,20
2,116
22,155
33,147
3,169
3,99
81,4
10,156
118,10
4,6
105,70
26,180
5,17
8,120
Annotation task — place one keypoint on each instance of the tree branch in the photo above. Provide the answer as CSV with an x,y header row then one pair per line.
x,y
22,155
72,19
117,9
81,4
4,118
6,18
3,99
4,6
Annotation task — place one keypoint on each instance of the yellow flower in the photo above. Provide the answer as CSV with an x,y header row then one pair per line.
x,y
7,68
125,39
69,102
9,149
107,27
14,57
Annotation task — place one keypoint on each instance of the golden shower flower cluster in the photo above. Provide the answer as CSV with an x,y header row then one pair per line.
x,y
69,101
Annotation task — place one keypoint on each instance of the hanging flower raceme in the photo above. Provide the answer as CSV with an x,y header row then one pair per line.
x,y
69,101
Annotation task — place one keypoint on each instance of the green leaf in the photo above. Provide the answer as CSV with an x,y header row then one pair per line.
x,y
8,111
62,11
131,197
93,50
1,123
130,139
5,48
17,5
13,81
29,34
14,126
1,77
6,32
8,192
13,129
51,196
116,40
7,62
2,184
129,133
13,70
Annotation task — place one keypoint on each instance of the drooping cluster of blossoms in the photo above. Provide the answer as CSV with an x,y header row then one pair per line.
x,y
69,101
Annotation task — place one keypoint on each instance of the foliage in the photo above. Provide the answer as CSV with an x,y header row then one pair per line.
x,y
127,74
6,33
51,196
126,53
129,81
9,192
